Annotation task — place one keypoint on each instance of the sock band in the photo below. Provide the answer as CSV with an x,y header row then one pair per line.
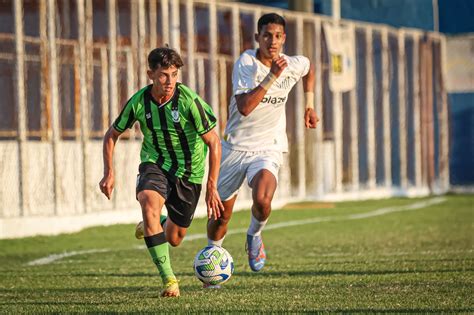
x,y
256,227
155,240
217,243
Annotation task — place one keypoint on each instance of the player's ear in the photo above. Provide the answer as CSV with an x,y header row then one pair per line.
x,y
150,74
256,37
284,38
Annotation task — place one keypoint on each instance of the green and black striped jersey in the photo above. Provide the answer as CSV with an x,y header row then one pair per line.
x,y
171,131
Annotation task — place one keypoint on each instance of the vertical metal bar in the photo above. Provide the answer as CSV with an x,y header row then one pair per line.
x,y
44,102
213,60
21,105
402,109
256,15
354,136
130,73
142,79
386,109
223,98
83,87
235,33
371,158
89,47
417,111
299,118
104,87
134,43
165,21
54,99
336,10
190,39
152,18
338,143
113,101
444,117
428,115
201,75
319,158
175,31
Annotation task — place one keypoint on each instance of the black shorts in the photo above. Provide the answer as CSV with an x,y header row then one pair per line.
x,y
181,197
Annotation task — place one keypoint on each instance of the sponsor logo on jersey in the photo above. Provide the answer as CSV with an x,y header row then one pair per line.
x,y
275,101
175,115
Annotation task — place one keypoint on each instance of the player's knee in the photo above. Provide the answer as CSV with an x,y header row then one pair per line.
x,y
263,202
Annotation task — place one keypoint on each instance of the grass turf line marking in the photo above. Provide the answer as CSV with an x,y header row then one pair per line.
x,y
51,258
415,206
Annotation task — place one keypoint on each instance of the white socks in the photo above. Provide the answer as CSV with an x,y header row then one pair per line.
x,y
217,243
256,226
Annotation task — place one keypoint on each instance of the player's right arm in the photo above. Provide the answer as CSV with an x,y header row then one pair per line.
x,y
247,102
108,180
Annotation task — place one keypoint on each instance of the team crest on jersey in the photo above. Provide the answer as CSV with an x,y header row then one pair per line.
x,y
175,115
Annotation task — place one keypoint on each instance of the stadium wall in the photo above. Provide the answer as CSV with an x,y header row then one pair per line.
x,y
74,67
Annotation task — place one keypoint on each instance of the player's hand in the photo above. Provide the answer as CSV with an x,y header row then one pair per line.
x,y
278,65
310,118
213,202
106,185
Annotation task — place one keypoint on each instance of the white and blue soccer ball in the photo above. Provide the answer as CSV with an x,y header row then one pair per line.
x,y
213,265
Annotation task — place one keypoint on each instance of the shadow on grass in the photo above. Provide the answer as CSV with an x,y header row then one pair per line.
x,y
335,272
279,273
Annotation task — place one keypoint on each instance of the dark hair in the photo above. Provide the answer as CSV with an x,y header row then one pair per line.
x,y
164,57
270,18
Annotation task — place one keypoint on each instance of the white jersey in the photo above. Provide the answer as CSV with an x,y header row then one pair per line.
x,y
265,127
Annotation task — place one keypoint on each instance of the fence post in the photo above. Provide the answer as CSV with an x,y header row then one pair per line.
x,y
444,115
402,109
299,118
354,135
417,110
54,99
387,143
113,101
83,89
371,157
214,99
21,105
190,45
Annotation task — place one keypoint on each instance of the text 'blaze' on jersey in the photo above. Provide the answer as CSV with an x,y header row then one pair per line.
x,y
171,131
265,127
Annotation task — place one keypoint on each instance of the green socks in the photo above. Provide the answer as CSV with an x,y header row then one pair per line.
x,y
159,252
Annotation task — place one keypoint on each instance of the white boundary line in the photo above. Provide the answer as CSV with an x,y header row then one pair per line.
x,y
378,212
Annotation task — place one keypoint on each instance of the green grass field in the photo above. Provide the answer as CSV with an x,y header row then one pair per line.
x,y
394,255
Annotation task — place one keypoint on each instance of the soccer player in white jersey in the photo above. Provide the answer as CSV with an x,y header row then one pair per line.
x,y
255,134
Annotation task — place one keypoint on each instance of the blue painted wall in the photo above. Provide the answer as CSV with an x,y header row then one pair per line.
x,y
462,138
455,16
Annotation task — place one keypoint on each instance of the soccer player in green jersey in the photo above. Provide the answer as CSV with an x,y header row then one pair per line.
x,y
178,128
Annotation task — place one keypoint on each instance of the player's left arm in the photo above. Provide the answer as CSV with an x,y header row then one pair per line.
x,y
213,200
310,117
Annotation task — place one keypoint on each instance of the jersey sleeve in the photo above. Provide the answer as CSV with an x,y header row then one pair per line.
x,y
127,117
303,65
202,116
243,75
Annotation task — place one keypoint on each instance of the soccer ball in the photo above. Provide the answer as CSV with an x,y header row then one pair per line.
x,y
213,265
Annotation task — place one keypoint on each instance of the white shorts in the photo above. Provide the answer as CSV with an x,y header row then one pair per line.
x,y
236,165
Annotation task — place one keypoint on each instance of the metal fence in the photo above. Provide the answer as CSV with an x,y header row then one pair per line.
x,y
67,67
